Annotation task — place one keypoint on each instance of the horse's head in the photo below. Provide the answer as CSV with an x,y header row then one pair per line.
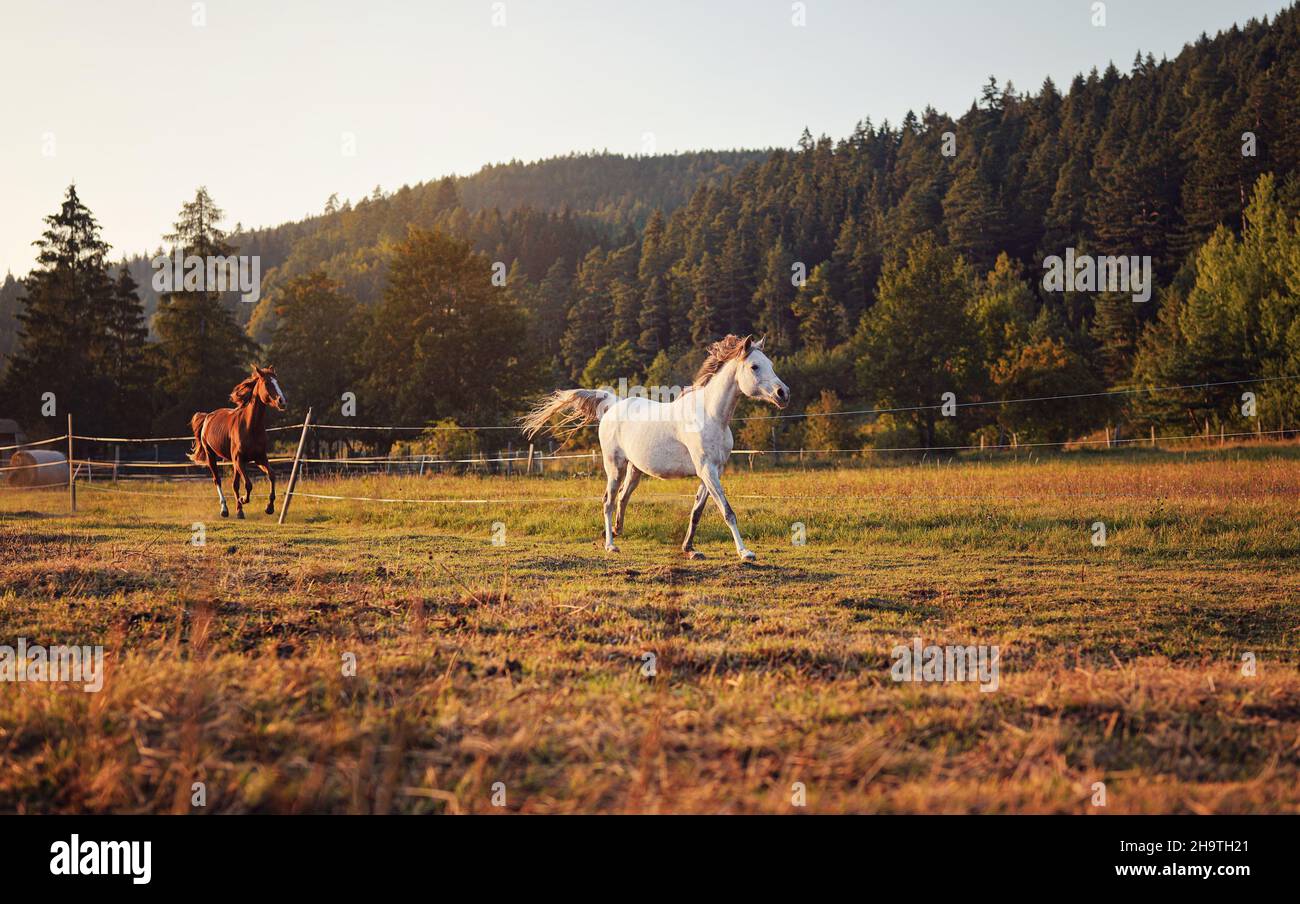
x,y
757,379
267,388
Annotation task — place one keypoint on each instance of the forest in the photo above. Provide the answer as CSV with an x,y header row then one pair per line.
x,y
887,267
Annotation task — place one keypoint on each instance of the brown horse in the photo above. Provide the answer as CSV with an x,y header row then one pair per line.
x,y
238,435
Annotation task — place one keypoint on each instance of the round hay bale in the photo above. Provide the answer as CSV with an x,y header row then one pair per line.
x,y
38,468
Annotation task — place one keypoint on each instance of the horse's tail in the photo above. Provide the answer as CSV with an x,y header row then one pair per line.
x,y
577,407
198,454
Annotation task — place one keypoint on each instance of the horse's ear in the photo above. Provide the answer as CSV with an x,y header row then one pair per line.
x,y
749,343
758,343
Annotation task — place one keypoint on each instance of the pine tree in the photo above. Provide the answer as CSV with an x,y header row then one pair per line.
x,y
821,318
123,356
656,318
316,344
554,296
445,342
918,341
773,297
68,302
704,317
588,320
974,217
626,307
202,348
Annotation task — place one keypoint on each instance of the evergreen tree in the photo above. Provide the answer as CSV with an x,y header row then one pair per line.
x,y
656,318
704,317
918,341
123,357
821,318
773,298
610,365
62,326
444,342
316,346
203,351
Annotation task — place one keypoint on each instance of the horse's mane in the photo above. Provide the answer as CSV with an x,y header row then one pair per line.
x,y
244,391
720,352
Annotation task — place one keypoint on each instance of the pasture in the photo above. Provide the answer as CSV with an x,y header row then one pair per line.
x,y
525,663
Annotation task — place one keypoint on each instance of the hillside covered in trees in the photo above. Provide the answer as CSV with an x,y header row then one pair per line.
x,y
887,267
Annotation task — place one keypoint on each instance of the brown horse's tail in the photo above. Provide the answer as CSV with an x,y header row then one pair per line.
x,y
198,454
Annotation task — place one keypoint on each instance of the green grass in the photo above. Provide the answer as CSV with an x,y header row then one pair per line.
x,y
522,663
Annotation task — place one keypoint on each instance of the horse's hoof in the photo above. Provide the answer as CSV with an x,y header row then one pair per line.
x,y
240,514
747,556
270,510
692,554
225,513
610,547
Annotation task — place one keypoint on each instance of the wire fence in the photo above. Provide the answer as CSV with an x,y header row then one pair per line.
x,y
104,474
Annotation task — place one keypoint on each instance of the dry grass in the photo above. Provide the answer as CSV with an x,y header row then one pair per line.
x,y
522,663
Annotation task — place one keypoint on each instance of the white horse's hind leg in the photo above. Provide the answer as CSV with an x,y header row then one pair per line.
x,y
713,483
613,476
701,497
629,484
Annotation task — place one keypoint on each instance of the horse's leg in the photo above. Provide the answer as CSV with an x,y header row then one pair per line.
x,y
244,462
265,465
237,464
629,484
614,469
216,478
701,497
713,482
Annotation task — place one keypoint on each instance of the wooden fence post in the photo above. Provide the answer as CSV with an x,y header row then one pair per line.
x,y
529,470
293,472
72,478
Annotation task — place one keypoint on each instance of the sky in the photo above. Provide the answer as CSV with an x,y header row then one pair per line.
x,y
274,106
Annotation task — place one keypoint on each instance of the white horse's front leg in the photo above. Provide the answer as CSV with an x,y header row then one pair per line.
x,y
713,483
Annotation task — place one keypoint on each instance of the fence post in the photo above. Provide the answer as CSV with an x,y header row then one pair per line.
x,y
529,471
72,481
293,472
117,457
1153,436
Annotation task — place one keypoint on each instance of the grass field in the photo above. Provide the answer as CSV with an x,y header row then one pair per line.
x,y
525,663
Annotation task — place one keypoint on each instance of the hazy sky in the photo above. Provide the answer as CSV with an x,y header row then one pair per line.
x,y
140,106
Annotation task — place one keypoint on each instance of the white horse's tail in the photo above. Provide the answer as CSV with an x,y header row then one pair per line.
x,y
577,407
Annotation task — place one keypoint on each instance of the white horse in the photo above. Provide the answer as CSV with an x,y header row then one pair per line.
x,y
687,435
